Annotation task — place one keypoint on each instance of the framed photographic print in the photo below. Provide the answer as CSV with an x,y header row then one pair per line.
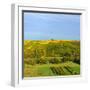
x,y
47,43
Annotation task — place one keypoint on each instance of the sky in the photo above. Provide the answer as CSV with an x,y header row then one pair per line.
x,y
46,26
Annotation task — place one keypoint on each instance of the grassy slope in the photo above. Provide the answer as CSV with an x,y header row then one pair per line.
x,y
44,70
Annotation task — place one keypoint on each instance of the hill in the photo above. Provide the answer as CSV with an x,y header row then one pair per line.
x,y
53,53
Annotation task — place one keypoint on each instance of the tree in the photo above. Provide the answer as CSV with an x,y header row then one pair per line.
x,y
52,39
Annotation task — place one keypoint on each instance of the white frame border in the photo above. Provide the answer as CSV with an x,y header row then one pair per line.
x,y
16,52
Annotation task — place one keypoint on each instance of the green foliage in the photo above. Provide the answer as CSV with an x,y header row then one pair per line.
x,y
51,51
52,39
30,61
51,57
77,59
41,61
67,68
55,60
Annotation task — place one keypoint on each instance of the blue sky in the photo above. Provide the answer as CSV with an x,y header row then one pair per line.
x,y
45,26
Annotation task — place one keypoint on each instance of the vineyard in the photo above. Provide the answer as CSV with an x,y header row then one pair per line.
x,y
67,68
62,70
51,58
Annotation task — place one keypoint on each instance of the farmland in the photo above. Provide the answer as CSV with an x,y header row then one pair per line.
x,y
51,57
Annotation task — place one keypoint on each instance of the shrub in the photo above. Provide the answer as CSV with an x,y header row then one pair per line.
x,y
66,58
77,60
30,61
40,61
54,60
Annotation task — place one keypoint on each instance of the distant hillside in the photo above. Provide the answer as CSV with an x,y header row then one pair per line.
x,y
52,48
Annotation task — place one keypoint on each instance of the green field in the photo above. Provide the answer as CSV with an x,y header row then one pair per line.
x,y
67,68
51,58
